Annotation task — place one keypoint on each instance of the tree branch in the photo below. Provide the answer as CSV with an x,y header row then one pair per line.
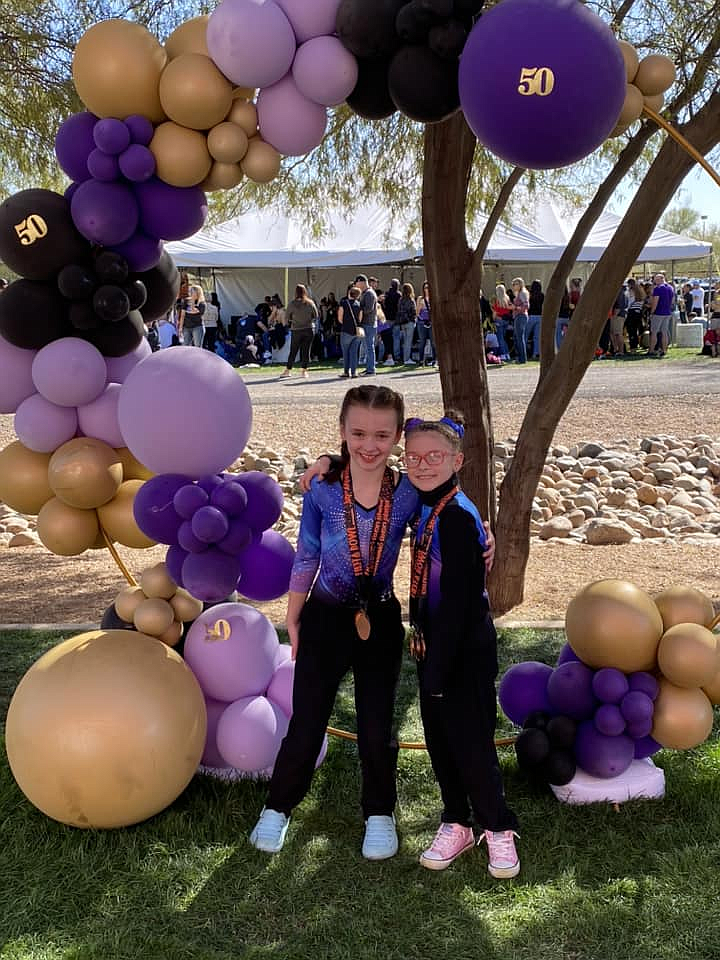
x,y
495,214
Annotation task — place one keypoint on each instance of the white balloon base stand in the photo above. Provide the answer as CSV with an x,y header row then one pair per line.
x,y
641,781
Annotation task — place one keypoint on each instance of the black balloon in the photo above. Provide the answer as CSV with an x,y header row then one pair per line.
x,y
111,620
162,284
111,303
413,24
37,235
447,40
562,731
371,98
558,768
117,339
32,314
111,267
423,85
76,282
532,747
440,9
367,27
82,316
464,9
136,293
537,719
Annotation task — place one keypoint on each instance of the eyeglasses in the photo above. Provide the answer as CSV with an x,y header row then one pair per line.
x,y
433,458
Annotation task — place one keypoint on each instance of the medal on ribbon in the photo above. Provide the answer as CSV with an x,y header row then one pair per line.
x,y
420,573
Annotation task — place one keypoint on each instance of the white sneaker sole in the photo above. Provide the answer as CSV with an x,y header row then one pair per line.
x,y
443,864
504,873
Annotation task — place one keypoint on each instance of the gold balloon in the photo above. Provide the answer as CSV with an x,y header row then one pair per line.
x,y
116,70
189,37
618,130
688,655
181,155
172,634
712,689
127,602
656,74
243,93
116,518
157,582
132,468
222,176
682,718
24,482
194,93
261,162
682,604
227,142
66,531
186,607
630,56
106,729
655,103
613,623
244,115
85,472
632,106
153,616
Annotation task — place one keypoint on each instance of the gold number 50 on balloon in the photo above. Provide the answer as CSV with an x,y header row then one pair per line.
x,y
536,81
31,229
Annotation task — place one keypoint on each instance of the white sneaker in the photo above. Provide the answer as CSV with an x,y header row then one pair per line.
x,y
270,831
389,362
381,840
410,363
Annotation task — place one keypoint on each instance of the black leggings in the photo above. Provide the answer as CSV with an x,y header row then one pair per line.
x,y
300,340
329,647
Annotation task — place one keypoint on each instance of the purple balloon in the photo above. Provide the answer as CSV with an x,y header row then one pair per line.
x,y
209,524
239,34
637,707
316,19
289,121
74,143
570,690
211,755
249,733
238,537
188,499
69,372
535,81
280,690
99,417
324,71
137,163
210,482
566,655
154,511
609,720
188,541
105,213
231,497
72,190
174,560
102,166
186,379
602,756
44,426
523,689
210,576
171,213
610,685
646,747
639,729
141,252
141,129
111,136
16,382
119,367
265,499
265,567
242,665
644,683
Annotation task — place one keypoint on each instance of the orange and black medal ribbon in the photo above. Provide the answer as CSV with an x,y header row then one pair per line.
x,y
381,523
420,572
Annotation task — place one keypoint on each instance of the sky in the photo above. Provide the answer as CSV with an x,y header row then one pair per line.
x,y
698,191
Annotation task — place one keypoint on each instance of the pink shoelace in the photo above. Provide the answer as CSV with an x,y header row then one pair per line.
x,y
446,839
501,847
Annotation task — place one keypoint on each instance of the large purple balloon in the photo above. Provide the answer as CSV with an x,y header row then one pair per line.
x,y
610,685
174,560
211,755
289,121
324,71
200,383
249,733
69,372
280,690
316,19
153,508
570,690
535,80
523,689
210,576
646,747
265,567
239,35
99,417
44,426
73,144
241,665
16,382
105,213
265,499
602,756
119,367
172,213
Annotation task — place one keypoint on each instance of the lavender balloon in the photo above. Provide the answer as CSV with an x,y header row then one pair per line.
x,y
289,121
99,417
264,499
316,19
280,690
610,685
239,35
73,144
240,664
105,213
523,689
282,654
211,755
570,690
188,499
210,576
324,71
43,426
16,382
209,524
534,80
249,733
69,372
265,568
119,367
609,720
602,756
171,213
154,511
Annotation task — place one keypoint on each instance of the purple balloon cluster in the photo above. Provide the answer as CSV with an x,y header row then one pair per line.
x,y
115,198
218,532
247,679
614,711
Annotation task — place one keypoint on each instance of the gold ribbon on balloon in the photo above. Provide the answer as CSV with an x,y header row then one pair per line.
x,y
116,556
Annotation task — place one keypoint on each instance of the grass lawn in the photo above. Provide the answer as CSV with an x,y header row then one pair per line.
x,y
641,884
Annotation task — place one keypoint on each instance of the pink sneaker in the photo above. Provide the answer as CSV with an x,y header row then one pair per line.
x,y
450,841
503,861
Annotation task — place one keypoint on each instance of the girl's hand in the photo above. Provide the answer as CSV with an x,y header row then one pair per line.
x,y
317,469
293,630
489,552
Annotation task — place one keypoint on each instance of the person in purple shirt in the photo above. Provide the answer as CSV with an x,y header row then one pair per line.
x,y
661,308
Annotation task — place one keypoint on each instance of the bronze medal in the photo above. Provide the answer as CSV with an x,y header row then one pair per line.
x,y
362,624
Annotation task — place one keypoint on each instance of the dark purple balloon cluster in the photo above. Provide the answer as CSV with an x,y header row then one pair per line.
x,y
115,198
218,531
613,711
407,54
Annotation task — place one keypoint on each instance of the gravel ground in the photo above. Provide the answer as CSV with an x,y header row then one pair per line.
x,y
628,400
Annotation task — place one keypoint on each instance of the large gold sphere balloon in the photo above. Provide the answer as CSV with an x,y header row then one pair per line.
x,y
194,93
656,74
683,718
85,472
24,482
127,602
683,604
222,176
688,655
262,162
186,606
189,37
106,729
132,468
153,616
711,689
117,520
244,114
613,623
632,106
116,70
630,56
66,531
181,155
157,582
227,142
